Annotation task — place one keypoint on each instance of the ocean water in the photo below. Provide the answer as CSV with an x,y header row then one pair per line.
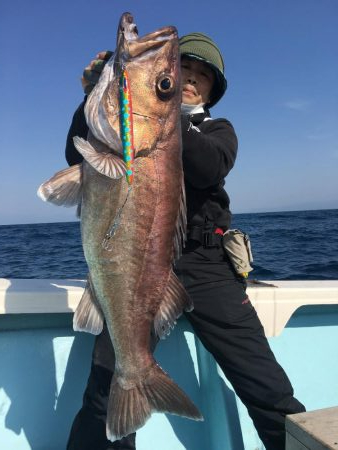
x,y
298,245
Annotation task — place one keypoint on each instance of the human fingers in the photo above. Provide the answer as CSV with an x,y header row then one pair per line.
x,y
92,72
105,55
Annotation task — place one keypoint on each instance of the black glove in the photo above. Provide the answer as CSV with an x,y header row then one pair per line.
x,y
92,72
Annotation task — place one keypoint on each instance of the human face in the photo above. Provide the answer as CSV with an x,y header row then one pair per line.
x,y
197,81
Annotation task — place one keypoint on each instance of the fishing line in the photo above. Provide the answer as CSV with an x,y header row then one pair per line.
x,y
127,137
112,230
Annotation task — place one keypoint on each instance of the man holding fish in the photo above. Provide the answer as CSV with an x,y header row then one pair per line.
x,y
221,315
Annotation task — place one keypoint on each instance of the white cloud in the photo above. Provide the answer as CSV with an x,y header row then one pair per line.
x,y
320,136
298,105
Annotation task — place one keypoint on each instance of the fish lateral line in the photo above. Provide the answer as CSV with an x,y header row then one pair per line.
x,y
147,117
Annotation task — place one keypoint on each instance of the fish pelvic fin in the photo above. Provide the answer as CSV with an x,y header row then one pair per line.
x,y
88,316
130,406
108,164
175,301
64,188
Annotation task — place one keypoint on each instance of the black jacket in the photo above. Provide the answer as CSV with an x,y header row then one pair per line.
x,y
209,153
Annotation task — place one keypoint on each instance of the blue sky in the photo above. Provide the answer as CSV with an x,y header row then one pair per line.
x,y
282,69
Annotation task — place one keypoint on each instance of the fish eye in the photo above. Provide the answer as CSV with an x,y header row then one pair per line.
x,y
165,86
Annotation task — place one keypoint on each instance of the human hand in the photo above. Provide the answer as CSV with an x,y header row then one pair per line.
x,y
92,72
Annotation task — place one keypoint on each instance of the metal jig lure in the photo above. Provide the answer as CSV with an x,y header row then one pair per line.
x,y
126,125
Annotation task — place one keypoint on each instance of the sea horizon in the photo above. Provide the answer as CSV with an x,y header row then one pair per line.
x,y
285,211
286,245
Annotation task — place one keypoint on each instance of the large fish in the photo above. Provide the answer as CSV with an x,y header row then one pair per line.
x,y
132,227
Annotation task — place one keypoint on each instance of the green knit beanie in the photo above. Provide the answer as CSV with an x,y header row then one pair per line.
x,y
202,47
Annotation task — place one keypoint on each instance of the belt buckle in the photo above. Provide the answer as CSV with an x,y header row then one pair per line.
x,y
211,239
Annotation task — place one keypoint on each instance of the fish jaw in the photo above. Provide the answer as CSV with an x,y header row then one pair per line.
x,y
127,28
151,41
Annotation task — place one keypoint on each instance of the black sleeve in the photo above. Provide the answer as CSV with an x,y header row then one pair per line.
x,y
78,127
208,154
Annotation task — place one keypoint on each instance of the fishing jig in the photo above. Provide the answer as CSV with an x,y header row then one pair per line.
x,y
126,125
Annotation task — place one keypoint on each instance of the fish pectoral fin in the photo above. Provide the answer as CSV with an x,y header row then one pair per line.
x,y
88,316
181,225
130,405
64,188
107,164
175,301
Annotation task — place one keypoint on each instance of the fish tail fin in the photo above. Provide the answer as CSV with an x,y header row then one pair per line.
x,y
130,406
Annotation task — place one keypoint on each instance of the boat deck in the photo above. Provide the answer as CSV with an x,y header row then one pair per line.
x,y
44,366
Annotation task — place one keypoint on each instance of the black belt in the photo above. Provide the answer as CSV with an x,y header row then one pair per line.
x,y
207,238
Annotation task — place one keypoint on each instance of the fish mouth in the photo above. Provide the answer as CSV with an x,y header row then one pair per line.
x,y
151,41
127,28
129,45
161,33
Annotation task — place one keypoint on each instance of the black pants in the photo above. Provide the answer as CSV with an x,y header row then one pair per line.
x,y
227,325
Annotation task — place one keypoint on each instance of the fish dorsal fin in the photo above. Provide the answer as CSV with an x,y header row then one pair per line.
x,y
181,225
64,188
107,164
88,316
175,301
